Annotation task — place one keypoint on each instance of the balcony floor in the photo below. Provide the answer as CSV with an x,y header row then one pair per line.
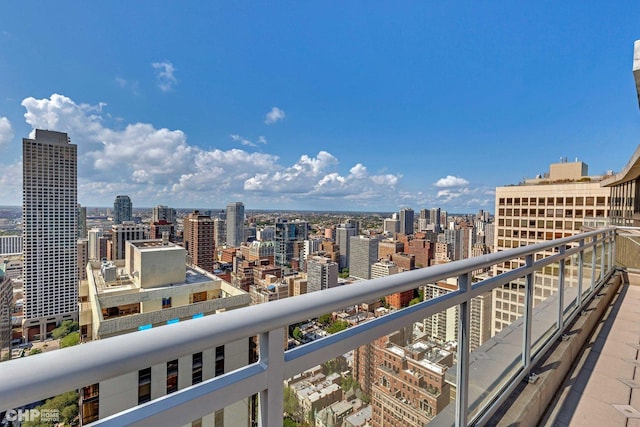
x,y
604,386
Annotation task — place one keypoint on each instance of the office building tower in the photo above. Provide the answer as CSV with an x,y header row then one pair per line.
x,y
219,232
122,210
10,245
391,226
363,253
235,224
555,205
322,273
199,240
434,219
288,235
162,212
406,221
50,210
122,233
343,233
82,222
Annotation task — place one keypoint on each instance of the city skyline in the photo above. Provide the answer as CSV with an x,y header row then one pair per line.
x,y
297,107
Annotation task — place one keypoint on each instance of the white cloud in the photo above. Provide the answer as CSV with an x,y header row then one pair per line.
x,y
451,181
274,116
158,165
164,73
242,140
6,131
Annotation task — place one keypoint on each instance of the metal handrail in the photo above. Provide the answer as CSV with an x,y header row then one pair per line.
x,y
71,368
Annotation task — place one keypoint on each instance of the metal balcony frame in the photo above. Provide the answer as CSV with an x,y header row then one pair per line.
x,y
34,378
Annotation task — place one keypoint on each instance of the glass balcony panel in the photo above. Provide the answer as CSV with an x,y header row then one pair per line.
x,y
545,307
570,286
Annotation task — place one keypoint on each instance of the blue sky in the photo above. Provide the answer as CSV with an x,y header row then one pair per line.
x,y
318,105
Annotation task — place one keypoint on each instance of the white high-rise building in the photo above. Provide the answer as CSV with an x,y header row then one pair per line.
x,y
363,253
235,224
50,210
343,233
322,273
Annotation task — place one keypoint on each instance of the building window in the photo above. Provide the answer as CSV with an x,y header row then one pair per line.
x,y
172,376
90,401
196,372
219,360
166,302
219,418
144,385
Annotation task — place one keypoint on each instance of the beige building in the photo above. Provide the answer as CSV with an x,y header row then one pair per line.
x,y
545,208
153,287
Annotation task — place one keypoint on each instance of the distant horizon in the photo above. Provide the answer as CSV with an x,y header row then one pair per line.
x,y
416,211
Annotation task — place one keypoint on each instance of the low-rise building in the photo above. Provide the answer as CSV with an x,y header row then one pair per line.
x,y
153,287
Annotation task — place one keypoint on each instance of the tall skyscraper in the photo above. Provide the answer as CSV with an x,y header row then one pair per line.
x,y
122,209
49,204
199,240
235,224
406,221
343,233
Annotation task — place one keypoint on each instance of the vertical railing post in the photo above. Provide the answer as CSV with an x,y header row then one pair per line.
x,y
580,273
464,320
528,313
272,357
561,249
604,240
593,263
614,247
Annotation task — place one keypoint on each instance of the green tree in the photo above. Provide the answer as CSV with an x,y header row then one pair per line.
x,y
325,319
292,406
35,351
67,406
70,340
65,328
348,383
338,326
414,301
297,333
344,273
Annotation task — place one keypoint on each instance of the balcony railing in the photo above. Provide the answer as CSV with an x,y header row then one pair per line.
x,y
589,256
